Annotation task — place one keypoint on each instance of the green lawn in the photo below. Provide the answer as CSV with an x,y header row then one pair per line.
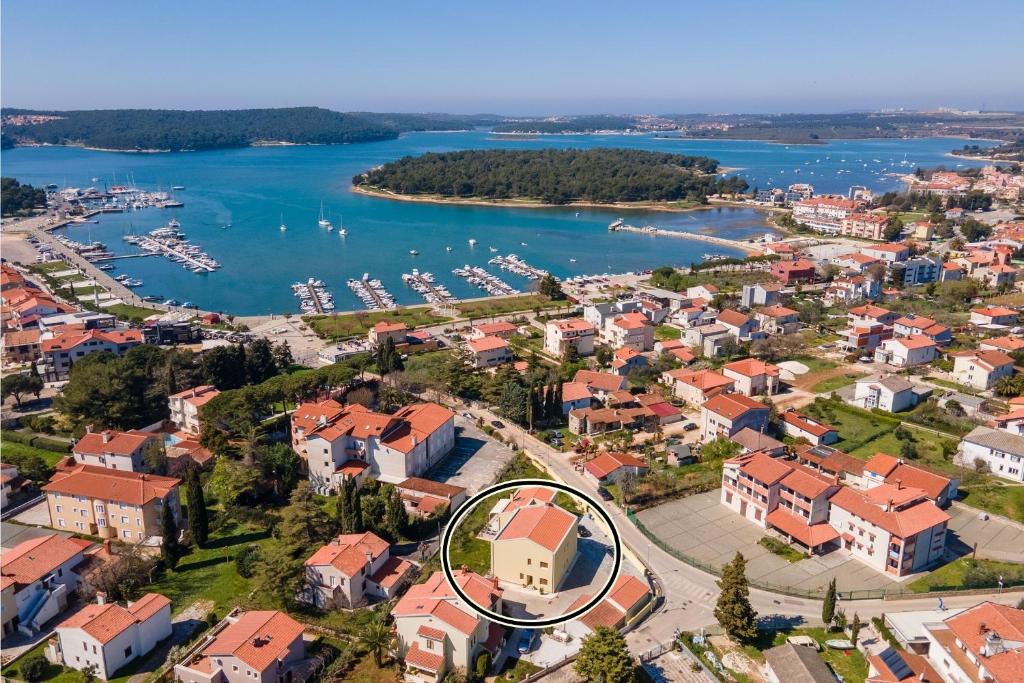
x,y
989,493
514,670
929,449
51,267
358,324
966,572
779,548
507,304
952,385
209,573
664,332
855,426
827,386
852,668
52,674
129,312
816,364
11,448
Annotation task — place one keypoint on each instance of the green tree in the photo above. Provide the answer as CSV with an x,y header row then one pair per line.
x,y
396,519
513,402
231,480
550,287
893,229
855,629
375,637
283,356
223,367
604,658
603,355
304,522
259,361
198,522
279,576
828,605
170,547
16,385
281,466
343,506
155,456
733,610
358,525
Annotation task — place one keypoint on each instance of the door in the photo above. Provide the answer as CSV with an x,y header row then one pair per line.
x,y
743,508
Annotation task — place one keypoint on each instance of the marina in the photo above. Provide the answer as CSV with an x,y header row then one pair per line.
x,y
372,293
492,284
428,287
170,242
313,296
514,264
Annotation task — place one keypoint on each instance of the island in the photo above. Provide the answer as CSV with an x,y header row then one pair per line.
x,y
546,177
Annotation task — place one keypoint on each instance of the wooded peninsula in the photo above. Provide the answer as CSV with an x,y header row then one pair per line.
x,y
552,176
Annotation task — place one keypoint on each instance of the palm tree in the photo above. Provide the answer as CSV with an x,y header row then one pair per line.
x,y
376,637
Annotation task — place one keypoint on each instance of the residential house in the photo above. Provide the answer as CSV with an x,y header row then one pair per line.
x,y
600,384
630,330
697,386
919,325
14,486
536,547
890,393
609,467
789,663
855,261
1000,452
825,214
575,396
436,631
710,339
869,314
110,503
600,420
107,637
423,497
502,329
114,450
705,292
726,414
247,647
752,377
489,352
885,469
559,335
994,316
62,349
351,568
338,441
981,643
37,577
1008,344
996,276
384,330
981,369
627,602
22,346
741,326
801,426
761,294
864,338
951,272
750,441
832,463
900,666
185,406
906,352
849,289
1012,422
888,253
626,359
793,272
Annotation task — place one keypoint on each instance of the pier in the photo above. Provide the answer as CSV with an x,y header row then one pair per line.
x,y
317,306
428,288
150,244
372,293
748,247
123,256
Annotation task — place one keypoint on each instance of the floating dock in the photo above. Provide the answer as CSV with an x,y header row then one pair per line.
x,y
748,247
428,287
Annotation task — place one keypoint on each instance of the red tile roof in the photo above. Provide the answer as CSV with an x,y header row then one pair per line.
x,y
136,488
602,381
31,560
546,525
628,591
733,318
764,469
811,535
606,463
494,328
435,597
258,638
631,321
348,552
705,380
806,424
486,344
903,523
973,626
572,325
752,367
732,406
111,442
421,659
385,326
72,338
575,391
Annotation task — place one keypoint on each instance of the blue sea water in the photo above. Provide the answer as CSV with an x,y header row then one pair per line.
x,y
253,189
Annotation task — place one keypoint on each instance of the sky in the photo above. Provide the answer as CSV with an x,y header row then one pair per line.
x,y
514,58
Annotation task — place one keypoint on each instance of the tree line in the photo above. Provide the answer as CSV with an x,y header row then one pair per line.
x,y
16,198
173,130
555,176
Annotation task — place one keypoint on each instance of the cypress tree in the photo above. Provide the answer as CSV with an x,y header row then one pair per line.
x,y
549,404
358,526
172,381
855,629
343,508
556,401
197,518
395,516
828,607
170,549
733,610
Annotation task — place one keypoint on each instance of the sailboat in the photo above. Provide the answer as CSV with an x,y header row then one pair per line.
x,y
323,222
341,227
283,226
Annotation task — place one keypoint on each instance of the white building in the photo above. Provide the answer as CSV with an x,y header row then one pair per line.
x,y
489,352
37,577
560,334
341,441
352,568
114,450
892,394
981,369
906,352
185,406
630,331
981,643
107,636
1001,451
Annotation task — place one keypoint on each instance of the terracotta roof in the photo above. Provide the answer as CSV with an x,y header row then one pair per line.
x,y
572,325
606,463
732,318
102,622
869,311
546,525
731,406
136,488
198,396
385,326
33,559
903,523
806,482
432,633
21,338
431,487
881,464
486,344
626,353
602,381
494,328
421,659
391,572
631,321
811,535
258,638
148,605
807,424
628,591
917,670
777,311
436,598
70,339
352,468
111,442
888,248
989,359
1007,343
974,625
764,468
705,380
995,311
752,367
914,341
915,321
683,354
575,391
348,552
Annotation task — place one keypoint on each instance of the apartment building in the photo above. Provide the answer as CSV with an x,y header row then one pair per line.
x,y
114,450
351,569
906,352
107,637
697,386
864,338
825,214
1000,451
887,253
981,643
777,320
339,441
981,369
725,414
753,377
869,314
536,547
62,349
185,406
436,631
761,294
793,272
918,324
919,270
559,335
247,647
869,226
489,352
110,503
37,577
630,331
885,469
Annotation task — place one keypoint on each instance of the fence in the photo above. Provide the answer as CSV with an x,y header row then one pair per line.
x,y
867,594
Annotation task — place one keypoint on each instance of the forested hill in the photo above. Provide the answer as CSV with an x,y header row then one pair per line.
x,y
554,176
165,129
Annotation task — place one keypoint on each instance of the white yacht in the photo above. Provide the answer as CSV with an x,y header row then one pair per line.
x,y
282,227
324,222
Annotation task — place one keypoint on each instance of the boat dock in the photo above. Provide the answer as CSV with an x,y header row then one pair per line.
x,y
372,293
748,247
491,284
162,247
514,264
121,256
313,296
428,287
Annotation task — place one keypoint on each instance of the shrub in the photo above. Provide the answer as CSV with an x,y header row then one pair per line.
x,y
51,444
39,423
33,668
18,437
245,561
483,665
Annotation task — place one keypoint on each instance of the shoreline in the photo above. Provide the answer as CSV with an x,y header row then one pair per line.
x,y
534,204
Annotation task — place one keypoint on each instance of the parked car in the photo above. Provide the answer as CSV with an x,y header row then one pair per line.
x,y
604,494
865,359
527,641
584,532
497,424
690,426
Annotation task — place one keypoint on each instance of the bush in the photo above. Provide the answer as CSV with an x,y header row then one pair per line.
x,y
18,437
246,560
51,444
483,665
39,423
212,619
33,668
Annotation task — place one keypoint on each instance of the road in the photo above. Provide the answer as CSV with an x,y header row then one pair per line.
x,y
689,593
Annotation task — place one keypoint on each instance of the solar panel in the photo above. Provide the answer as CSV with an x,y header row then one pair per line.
x,y
899,668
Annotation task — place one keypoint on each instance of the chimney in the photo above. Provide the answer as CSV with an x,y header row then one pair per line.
x,y
89,428
414,440
464,568
494,581
101,598
899,484
106,436
369,557
888,505
899,461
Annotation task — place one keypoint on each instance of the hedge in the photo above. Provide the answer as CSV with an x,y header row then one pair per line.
x,y
38,441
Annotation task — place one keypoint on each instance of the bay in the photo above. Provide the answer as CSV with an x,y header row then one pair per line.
x,y
254,189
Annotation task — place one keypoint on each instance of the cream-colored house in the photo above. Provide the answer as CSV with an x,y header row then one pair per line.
x,y
981,369
536,547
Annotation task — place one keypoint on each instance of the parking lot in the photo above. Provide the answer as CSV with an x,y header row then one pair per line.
x,y
476,461
13,534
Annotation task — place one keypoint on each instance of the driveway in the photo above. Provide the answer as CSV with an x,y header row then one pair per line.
x,y
37,515
997,539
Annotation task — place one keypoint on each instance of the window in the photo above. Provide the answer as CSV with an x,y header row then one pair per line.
x,y
124,520
543,582
543,565
430,644
60,508
128,651
234,667
126,533
60,522
85,646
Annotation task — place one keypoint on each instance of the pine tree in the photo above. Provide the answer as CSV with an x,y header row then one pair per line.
x,y
604,656
172,381
733,610
170,548
828,607
197,517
